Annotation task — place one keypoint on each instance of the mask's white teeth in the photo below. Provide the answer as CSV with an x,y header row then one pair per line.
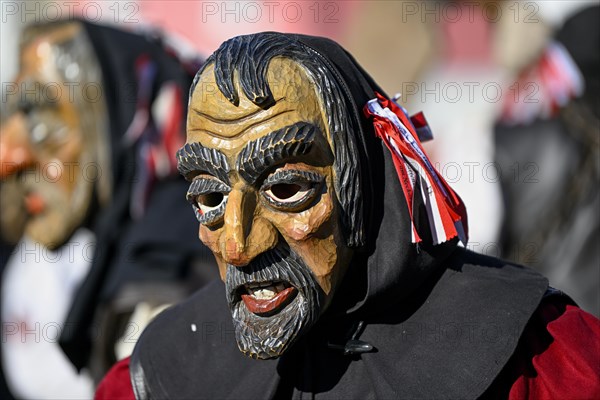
x,y
263,293
264,290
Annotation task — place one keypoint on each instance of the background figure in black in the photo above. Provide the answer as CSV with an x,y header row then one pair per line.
x,y
550,159
90,190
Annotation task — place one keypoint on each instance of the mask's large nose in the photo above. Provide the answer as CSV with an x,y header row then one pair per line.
x,y
245,235
16,153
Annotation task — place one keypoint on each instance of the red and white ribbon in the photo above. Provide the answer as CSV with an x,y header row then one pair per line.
x,y
446,212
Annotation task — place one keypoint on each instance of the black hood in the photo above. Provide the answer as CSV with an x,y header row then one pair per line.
x,y
158,243
580,35
393,287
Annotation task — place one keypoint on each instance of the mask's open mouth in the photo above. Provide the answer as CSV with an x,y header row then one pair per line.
x,y
35,204
266,298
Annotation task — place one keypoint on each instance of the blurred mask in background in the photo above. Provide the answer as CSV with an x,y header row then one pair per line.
x,y
53,156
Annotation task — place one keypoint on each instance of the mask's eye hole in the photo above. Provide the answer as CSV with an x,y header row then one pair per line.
x,y
210,201
292,190
208,196
45,128
288,193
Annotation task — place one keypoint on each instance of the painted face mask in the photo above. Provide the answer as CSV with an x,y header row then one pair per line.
x,y
263,187
52,153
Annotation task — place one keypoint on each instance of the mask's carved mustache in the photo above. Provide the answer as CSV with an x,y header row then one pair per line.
x,y
269,337
275,265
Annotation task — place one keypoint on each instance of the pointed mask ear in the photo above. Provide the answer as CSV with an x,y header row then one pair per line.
x,y
424,188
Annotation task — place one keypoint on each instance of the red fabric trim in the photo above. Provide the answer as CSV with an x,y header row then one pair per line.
x,y
566,360
116,385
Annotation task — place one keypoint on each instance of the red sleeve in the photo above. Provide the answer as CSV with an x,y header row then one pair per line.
x,y
116,385
564,343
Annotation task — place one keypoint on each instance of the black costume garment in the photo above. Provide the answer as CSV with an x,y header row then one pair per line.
x,y
443,321
158,246
5,251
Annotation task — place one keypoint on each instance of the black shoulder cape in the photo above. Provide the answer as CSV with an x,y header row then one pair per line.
x,y
443,321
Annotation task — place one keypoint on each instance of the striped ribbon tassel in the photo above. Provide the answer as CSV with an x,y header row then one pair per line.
x,y
157,131
446,212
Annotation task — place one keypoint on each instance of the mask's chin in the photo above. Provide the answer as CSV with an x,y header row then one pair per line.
x,y
264,337
62,216
273,300
50,230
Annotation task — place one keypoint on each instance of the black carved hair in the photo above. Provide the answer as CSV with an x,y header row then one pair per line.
x,y
250,56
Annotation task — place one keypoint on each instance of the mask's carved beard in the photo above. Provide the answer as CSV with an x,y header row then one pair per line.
x,y
269,337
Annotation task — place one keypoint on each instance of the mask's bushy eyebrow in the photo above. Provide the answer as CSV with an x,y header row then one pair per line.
x,y
260,154
31,96
193,158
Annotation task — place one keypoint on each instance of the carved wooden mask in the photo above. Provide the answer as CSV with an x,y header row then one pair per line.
x,y
50,142
263,188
